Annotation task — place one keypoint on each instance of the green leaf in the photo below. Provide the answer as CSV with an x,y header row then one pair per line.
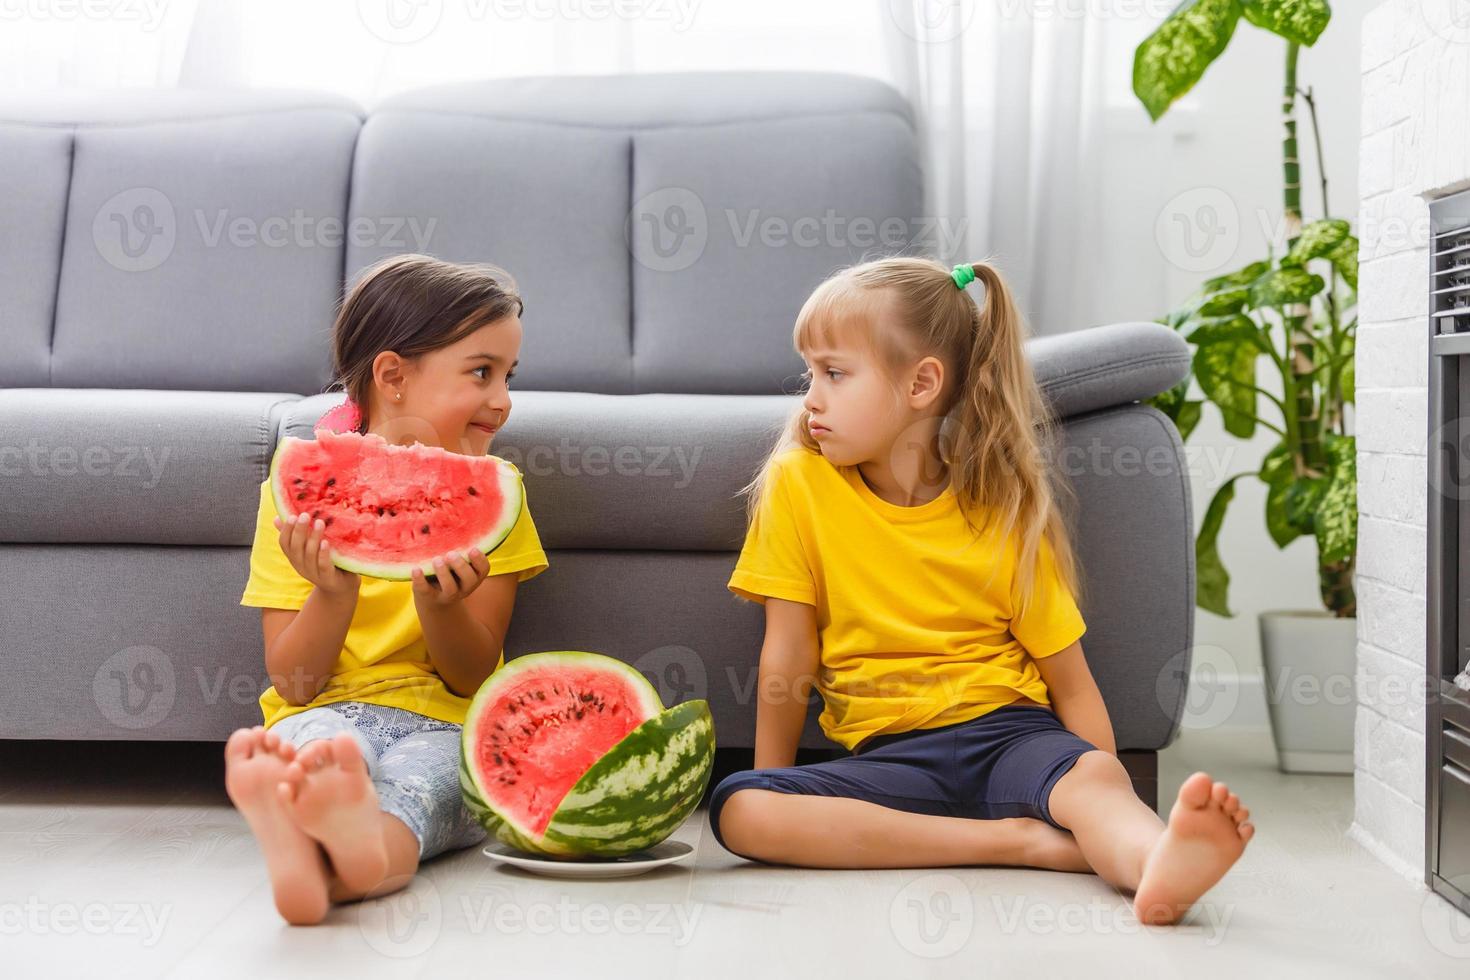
x,y
1277,474
1188,418
1212,582
1344,256
1348,381
1224,302
1176,318
1183,411
1284,287
1337,512
1170,60
1240,277
1225,364
1316,239
1303,496
1301,21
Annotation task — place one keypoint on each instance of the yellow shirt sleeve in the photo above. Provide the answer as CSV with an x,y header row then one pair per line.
x,y
521,551
273,582
772,561
1051,622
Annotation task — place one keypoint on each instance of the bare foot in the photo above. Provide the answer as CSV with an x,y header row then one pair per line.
x,y
1207,832
329,796
1051,848
255,762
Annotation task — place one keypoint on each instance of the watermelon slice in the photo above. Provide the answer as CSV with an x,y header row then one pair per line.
x,y
390,509
571,755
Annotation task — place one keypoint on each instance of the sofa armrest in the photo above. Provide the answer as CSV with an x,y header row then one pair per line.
x,y
1100,367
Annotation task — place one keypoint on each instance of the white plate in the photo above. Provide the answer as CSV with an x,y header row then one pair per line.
x,y
619,867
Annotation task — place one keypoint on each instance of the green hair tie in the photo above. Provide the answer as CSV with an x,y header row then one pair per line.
x,y
963,275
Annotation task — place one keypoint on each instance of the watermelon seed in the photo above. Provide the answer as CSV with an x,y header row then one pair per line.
x,y
424,529
380,512
392,512
498,760
329,522
473,493
301,496
580,713
331,481
540,695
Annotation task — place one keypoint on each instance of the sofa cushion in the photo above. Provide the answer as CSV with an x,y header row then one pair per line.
x,y
546,202
203,244
741,221
118,466
32,212
643,244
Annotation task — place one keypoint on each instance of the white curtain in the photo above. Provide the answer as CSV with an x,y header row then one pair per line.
x,y
1010,94
1012,101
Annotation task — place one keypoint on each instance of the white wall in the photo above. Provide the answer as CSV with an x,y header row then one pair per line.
x,y
1415,146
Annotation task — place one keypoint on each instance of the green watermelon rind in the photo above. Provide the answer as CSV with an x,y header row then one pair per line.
x,y
512,492
505,827
641,791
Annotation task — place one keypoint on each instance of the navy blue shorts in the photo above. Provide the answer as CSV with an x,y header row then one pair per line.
x,y
1002,764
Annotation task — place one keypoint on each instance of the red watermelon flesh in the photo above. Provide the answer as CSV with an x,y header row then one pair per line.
x,y
389,509
546,724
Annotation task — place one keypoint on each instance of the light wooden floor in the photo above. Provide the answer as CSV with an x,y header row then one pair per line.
x,y
131,863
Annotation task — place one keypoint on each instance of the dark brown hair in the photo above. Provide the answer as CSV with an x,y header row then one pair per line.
x,y
412,304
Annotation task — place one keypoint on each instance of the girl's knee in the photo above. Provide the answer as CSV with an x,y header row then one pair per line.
x,y
746,821
1099,769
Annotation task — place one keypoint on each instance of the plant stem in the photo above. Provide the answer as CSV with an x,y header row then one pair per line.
x,y
1317,139
1306,450
1332,414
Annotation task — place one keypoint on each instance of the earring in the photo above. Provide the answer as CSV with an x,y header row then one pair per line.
x,y
399,396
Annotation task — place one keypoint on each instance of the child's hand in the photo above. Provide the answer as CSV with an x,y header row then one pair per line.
x,y
312,557
455,576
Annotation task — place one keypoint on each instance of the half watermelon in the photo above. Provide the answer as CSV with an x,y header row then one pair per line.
x,y
390,509
572,755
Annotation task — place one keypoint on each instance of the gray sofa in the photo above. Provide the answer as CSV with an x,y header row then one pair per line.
x,y
169,266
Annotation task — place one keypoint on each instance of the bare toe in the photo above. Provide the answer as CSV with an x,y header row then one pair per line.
x,y
331,798
1201,841
1195,790
294,863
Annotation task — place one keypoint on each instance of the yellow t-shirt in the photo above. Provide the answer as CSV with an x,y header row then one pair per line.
x,y
384,658
916,614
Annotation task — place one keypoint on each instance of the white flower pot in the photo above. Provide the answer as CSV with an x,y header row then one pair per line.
x,y
1310,659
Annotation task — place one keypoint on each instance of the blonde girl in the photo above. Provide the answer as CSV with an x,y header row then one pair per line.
x,y
915,566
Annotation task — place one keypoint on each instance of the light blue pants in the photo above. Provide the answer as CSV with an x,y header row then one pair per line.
x,y
413,761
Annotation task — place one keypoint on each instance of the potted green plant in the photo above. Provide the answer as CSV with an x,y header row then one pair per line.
x,y
1302,326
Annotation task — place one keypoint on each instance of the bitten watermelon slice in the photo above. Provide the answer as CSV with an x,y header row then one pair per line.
x,y
571,755
390,509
